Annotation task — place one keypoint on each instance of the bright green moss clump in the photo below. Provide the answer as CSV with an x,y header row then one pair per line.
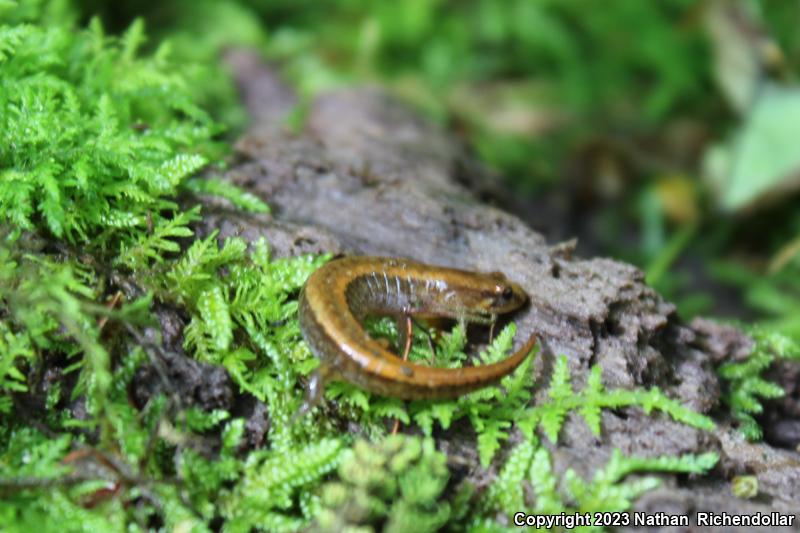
x,y
398,482
95,141
95,138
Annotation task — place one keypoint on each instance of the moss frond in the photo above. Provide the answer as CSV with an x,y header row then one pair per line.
x,y
398,482
529,464
589,402
745,387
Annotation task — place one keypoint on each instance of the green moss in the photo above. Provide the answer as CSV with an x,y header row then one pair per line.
x,y
589,402
51,310
490,411
95,137
529,467
271,489
100,138
745,386
394,485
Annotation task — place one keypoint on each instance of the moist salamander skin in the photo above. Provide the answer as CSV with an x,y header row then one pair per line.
x,y
341,293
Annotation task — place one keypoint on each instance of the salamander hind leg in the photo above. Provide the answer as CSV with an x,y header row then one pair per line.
x,y
405,332
405,335
314,390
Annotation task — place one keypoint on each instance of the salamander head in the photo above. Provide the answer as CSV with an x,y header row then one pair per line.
x,y
479,297
503,296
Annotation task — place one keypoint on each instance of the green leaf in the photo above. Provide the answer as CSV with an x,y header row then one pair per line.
x,y
763,158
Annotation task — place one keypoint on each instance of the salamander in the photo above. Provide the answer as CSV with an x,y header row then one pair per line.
x,y
339,295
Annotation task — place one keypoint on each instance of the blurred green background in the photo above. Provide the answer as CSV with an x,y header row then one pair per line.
x,y
662,133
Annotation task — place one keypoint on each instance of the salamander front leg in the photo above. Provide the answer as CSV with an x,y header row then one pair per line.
x,y
431,341
491,328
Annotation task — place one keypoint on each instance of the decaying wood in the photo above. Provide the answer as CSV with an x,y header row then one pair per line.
x,y
369,176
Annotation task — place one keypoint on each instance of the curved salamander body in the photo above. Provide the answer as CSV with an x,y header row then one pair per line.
x,y
338,296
